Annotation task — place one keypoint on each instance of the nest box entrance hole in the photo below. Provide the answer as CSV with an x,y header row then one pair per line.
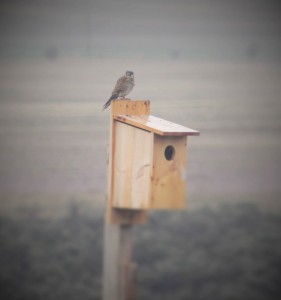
x,y
169,152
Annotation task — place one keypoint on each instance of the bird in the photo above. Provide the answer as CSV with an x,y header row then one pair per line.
x,y
123,87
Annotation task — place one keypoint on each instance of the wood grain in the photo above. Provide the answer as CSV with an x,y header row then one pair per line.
x,y
115,215
132,167
168,180
129,107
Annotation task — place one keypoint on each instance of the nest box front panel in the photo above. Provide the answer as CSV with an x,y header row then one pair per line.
x,y
169,167
131,166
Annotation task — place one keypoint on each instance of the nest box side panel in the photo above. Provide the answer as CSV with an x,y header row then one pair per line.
x,y
132,167
169,168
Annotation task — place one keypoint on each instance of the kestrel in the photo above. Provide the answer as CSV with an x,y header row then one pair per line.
x,y
123,87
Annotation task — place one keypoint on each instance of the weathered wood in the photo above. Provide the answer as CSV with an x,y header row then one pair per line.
x,y
128,268
156,125
119,272
125,216
130,288
111,288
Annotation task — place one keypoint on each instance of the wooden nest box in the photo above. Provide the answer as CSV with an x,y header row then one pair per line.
x,y
148,158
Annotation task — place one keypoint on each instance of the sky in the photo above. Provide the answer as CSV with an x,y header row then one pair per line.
x,y
216,29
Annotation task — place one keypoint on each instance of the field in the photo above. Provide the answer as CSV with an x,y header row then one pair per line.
x,y
228,253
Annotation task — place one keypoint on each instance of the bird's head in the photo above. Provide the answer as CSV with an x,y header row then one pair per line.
x,y
129,74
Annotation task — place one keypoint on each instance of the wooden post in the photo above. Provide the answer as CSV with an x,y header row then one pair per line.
x,y
147,158
119,272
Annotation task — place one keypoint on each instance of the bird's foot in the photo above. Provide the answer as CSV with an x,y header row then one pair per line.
x,y
122,98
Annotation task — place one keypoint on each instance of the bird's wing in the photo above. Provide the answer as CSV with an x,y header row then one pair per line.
x,y
120,85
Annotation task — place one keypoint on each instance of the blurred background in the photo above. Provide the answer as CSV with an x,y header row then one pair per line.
x,y
210,65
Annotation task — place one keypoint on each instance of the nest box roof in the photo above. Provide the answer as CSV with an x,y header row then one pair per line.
x,y
156,125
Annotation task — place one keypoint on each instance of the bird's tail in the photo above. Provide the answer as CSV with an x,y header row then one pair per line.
x,y
109,101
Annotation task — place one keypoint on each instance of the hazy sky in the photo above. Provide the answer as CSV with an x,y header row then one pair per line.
x,y
185,27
